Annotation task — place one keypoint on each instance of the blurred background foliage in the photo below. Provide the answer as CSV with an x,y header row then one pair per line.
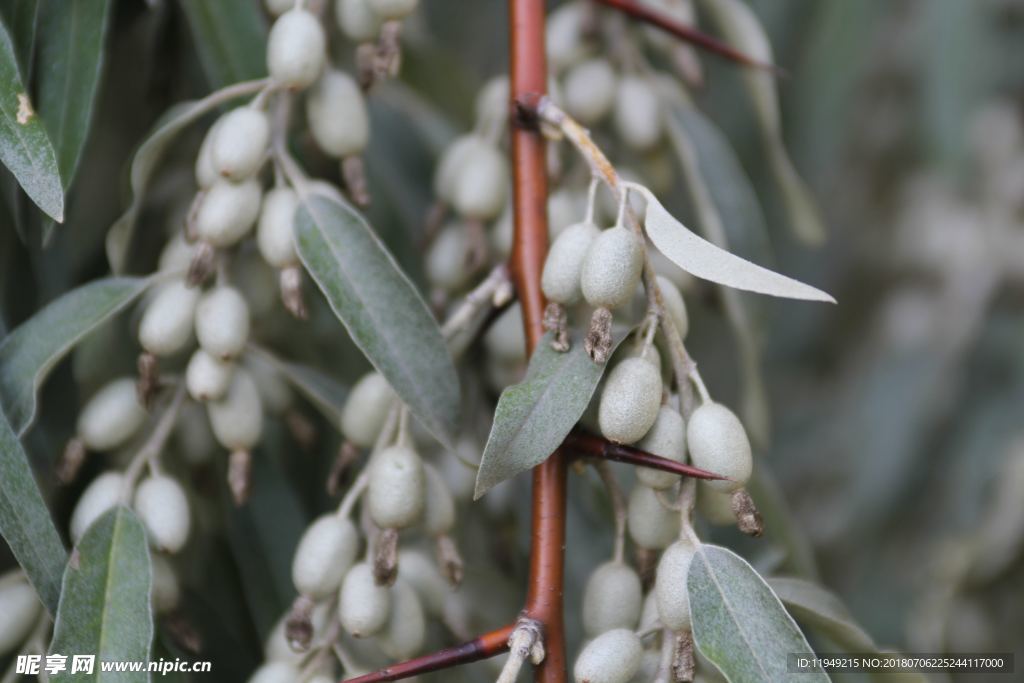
x,y
896,462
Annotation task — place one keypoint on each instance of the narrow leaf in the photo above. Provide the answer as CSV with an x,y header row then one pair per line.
x,y
824,611
738,622
24,147
29,353
231,39
21,17
72,34
382,311
25,522
704,260
104,606
534,417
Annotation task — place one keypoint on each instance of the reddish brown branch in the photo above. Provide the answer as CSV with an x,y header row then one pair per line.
x,y
687,33
485,646
590,446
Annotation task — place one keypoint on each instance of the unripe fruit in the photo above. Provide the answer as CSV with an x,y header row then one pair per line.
x,y
667,438
675,307
166,325
324,555
630,400
276,672
205,171
208,378
363,606
163,507
193,436
564,210
177,254
296,49
611,599
166,591
649,618
638,113
612,657
651,524
275,230
393,9
505,341
337,115
20,608
240,143
111,417
422,574
100,495
481,185
718,443
564,264
278,7
237,419
564,35
228,211
612,267
670,585
439,506
715,506
590,90
222,323
275,392
357,20
492,102
395,497
446,261
366,409
451,163
407,625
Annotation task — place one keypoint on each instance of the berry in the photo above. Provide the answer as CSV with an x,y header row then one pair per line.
x,y
100,495
564,264
296,49
611,599
407,625
638,113
207,378
222,323
612,657
675,307
446,261
163,507
228,211
630,400
391,10
715,506
237,419
275,230
166,592
666,438
20,608
422,574
590,90
719,444
439,506
651,524
481,186
278,7
112,416
363,606
366,409
357,20
506,340
337,115
324,555
206,172
166,325
453,159
240,143
670,585
395,497
612,268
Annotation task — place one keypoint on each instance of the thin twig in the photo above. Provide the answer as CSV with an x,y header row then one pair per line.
x,y
153,446
618,507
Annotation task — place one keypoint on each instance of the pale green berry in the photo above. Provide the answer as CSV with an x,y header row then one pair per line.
x,y
396,494
630,400
324,555
638,113
407,624
276,672
296,49
451,163
166,325
670,585
162,506
240,143
590,90
718,443
337,114
363,606
501,234
207,378
391,10
481,185
193,435
278,7
166,592
439,506
675,307
275,230
276,393
251,274
222,322
20,609
561,278
445,265
177,254
715,506
651,524
611,599
102,494
357,20
456,470
667,269
421,572
366,409
564,35
612,657
228,211
612,268
506,340
649,618
667,438
205,171
564,209
112,416
492,103
237,418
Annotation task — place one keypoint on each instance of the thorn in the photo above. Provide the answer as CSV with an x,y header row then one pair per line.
x,y
590,446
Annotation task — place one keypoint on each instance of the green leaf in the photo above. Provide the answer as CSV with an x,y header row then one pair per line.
x,y
21,17
534,417
29,353
72,34
104,606
703,259
24,147
25,522
738,622
231,38
382,311
823,610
